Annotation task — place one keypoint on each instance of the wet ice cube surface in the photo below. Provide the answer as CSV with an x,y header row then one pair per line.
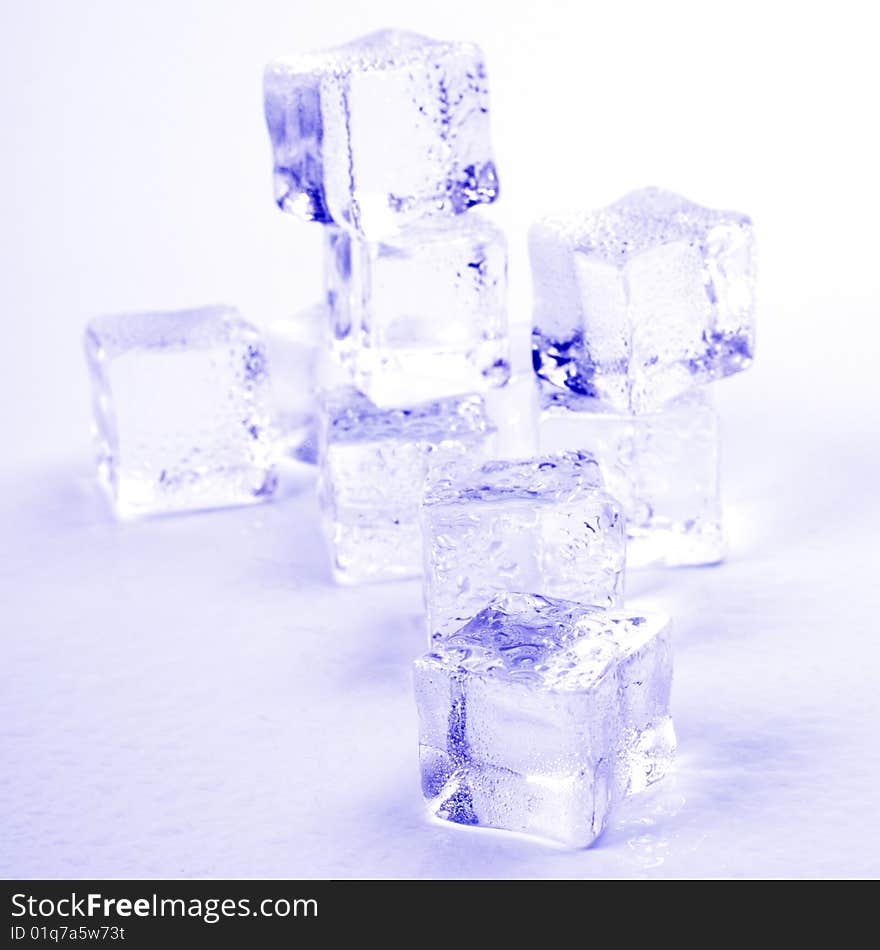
x,y
642,301
182,410
380,132
421,315
541,524
663,467
540,714
373,464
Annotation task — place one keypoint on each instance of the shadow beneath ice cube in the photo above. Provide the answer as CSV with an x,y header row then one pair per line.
x,y
384,625
439,849
291,553
62,527
668,829
58,497
718,772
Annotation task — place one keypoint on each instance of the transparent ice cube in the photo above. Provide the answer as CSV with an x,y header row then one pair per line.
x,y
422,315
539,714
640,302
380,132
541,524
663,468
373,464
182,410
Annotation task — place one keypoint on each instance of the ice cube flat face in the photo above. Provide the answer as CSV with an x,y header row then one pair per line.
x,y
539,714
381,132
373,464
182,410
663,468
423,315
540,524
641,302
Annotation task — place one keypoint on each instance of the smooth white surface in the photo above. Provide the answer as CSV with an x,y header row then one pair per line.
x,y
191,696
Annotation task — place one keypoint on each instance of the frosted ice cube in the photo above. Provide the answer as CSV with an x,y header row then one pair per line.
x,y
421,315
540,714
540,524
380,132
663,468
182,410
373,464
638,303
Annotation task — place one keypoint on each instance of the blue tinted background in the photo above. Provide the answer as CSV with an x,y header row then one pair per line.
x,y
191,697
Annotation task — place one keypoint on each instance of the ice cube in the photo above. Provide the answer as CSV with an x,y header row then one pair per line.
x,y
642,301
540,714
541,524
663,467
380,132
373,464
182,410
421,315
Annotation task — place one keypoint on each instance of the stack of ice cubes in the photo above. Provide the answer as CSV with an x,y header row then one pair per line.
x,y
636,308
540,705
542,702
385,143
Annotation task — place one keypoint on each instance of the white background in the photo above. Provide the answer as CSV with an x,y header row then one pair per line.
x,y
191,696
